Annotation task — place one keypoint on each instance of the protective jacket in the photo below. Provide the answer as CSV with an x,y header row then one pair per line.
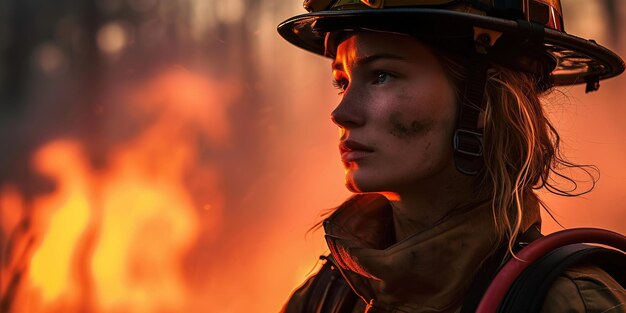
x,y
430,271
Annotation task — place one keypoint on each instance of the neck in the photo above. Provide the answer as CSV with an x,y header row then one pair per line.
x,y
422,206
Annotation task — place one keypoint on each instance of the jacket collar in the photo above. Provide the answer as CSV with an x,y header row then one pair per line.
x,y
429,271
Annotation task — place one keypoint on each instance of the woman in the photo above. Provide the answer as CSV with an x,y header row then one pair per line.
x,y
443,139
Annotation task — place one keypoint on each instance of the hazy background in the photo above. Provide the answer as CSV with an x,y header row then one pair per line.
x,y
170,156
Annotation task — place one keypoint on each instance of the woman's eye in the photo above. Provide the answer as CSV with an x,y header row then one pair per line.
x,y
340,84
382,77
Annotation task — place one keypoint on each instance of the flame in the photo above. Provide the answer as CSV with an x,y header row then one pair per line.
x,y
51,265
114,238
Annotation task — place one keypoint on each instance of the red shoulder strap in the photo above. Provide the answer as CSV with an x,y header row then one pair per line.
x,y
503,281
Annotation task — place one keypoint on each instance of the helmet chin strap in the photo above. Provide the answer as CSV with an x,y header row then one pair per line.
x,y
468,137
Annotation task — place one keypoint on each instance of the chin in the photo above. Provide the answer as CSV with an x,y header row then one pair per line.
x,y
359,181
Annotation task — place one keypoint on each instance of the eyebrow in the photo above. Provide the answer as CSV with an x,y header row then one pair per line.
x,y
369,59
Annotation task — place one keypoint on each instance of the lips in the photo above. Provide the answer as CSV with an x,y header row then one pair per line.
x,y
353,150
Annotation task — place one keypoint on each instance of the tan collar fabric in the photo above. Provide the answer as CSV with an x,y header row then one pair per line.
x,y
429,271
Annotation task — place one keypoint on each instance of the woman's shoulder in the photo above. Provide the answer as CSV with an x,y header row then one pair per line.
x,y
585,288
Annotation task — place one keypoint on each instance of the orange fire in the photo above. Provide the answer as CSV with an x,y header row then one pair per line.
x,y
143,228
113,239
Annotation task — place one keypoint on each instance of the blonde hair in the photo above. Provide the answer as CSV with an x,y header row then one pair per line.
x,y
521,147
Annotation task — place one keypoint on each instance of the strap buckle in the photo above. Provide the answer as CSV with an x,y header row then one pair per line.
x,y
467,142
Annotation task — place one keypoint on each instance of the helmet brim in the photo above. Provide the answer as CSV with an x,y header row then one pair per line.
x,y
576,60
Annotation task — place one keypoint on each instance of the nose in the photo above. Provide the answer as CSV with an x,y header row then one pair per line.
x,y
350,112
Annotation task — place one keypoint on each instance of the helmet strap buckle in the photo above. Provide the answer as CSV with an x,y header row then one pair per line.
x,y
468,136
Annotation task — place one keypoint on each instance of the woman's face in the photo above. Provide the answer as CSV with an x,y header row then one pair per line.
x,y
397,113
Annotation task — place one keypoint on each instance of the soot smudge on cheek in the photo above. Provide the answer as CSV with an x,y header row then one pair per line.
x,y
406,130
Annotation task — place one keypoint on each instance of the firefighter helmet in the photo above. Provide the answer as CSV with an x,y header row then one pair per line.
x,y
526,34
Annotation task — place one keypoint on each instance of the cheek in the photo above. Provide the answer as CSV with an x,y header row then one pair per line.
x,y
407,128
415,115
